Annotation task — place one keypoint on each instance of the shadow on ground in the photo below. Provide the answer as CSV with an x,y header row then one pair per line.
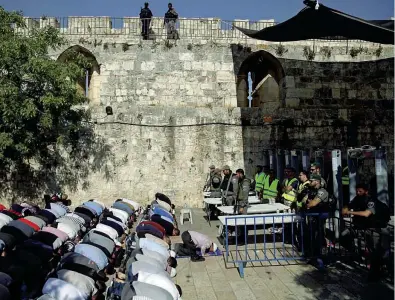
x,y
344,281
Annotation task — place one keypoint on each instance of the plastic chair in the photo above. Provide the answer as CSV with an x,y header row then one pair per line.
x,y
185,212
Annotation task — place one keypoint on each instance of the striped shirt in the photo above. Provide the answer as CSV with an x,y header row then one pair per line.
x,y
74,220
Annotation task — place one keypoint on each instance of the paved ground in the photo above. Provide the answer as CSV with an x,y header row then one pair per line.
x,y
215,279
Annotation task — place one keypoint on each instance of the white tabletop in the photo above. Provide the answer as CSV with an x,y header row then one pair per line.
x,y
256,209
208,194
259,219
218,201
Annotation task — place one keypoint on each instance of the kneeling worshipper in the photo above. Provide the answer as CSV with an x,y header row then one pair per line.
x,y
4,219
194,241
161,280
70,228
150,227
156,260
58,289
125,206
21,229
88,211
102,241
95,206
163,198
93,253
154,248
79,263
167,224
135,204
137,288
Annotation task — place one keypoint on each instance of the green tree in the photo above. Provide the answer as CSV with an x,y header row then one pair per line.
x,y
39,122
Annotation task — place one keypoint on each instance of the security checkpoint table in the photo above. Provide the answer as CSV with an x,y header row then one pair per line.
x,y
258,219
208,194
218,201
256,209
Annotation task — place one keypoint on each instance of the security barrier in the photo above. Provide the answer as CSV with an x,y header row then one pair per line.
x,y
285,237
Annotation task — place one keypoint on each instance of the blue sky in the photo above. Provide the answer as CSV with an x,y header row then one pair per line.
x,y
279,10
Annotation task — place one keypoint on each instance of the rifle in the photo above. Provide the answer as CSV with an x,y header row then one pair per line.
x,y
227,189
205,185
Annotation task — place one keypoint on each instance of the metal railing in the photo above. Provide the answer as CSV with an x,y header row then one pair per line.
x,y
287,238
206,28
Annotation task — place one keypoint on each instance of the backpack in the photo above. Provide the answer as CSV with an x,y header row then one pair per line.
x,y
216,181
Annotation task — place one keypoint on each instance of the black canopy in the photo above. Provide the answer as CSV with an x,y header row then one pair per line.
x,y
325,22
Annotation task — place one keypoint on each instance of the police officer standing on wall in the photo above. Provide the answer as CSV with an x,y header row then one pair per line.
x,y
371,216
171,17
145,17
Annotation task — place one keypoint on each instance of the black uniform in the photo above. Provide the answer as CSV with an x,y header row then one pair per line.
x,y
145,16
374,229
314,240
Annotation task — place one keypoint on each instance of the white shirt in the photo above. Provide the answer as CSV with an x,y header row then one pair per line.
x,y
76,216
157,240
144,266
80,281
164,205
161,281
62,290
68,229
123,215
119,223
150,245
131,202
4,220
111,232
149,260
157,256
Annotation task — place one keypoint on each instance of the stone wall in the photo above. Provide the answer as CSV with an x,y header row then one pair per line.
x,y
175,103
192,74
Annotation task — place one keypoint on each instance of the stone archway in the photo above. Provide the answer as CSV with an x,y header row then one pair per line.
x,y
89,85
268,80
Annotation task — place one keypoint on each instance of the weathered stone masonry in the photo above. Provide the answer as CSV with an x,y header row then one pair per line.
x,y
321,99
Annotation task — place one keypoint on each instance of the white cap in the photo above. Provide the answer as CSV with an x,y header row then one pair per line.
x,y
215,247
173,272
172,254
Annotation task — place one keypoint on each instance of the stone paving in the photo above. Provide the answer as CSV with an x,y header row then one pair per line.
x,y
215,279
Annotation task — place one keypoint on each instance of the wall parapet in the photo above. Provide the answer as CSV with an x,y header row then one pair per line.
x,y
205,28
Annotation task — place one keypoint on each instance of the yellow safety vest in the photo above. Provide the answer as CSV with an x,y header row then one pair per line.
x,y
345,177
289,195
301,187
270,191
259,181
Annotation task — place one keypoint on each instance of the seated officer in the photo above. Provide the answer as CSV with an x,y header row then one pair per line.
x,y
371,215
